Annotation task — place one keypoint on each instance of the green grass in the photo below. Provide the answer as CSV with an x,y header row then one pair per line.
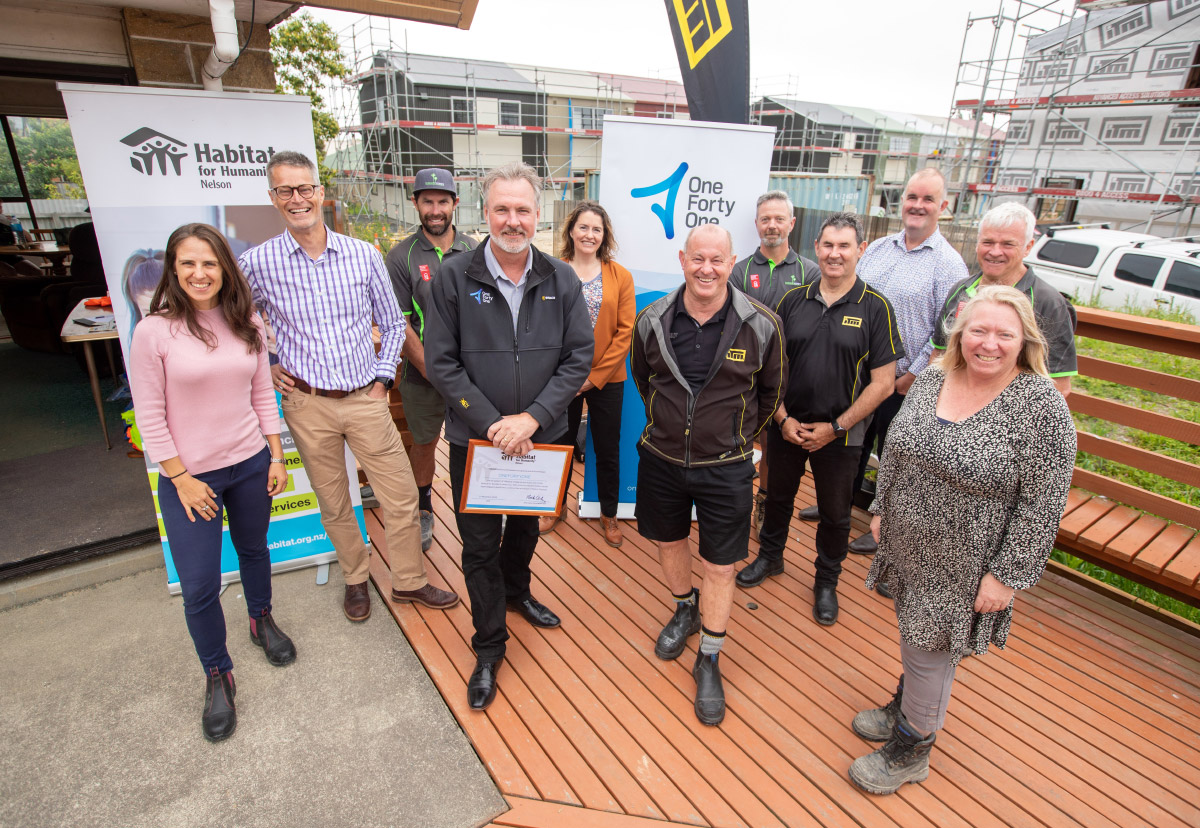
x,y
1148,401
1135,589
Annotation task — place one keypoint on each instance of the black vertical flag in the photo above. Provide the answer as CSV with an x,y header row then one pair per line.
x,y
712,41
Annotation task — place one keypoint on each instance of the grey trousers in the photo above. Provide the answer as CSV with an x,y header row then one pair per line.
x,y
928,678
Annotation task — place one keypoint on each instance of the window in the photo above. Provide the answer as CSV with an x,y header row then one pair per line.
x,y
591,117
462,110
1184,279
510,113
899,144
1068,253
1138,268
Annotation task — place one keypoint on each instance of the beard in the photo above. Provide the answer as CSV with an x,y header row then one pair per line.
x,y
513,244
429,224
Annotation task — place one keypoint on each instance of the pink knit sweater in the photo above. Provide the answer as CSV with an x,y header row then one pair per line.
x,y
208,408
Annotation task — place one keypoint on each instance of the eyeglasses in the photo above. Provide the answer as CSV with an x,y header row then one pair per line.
x,y
285,193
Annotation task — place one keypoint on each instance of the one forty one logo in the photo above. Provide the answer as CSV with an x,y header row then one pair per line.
x,y
151,148
705,204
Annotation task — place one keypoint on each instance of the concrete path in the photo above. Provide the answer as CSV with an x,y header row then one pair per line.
x,y
100,720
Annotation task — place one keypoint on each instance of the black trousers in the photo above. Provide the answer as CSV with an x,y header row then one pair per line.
x,y
833,473
495,562
877,430
604,421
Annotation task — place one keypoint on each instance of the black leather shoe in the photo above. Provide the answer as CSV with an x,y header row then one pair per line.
x,y
220,716
673,638
757,572
810,513
710,694
825,604
266,634
864,545
481,687
884,589
535,613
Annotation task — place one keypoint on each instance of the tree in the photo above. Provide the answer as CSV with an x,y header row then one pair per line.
x,y
307,55
46,153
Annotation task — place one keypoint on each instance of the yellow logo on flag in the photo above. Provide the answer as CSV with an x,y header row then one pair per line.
x,y
712,24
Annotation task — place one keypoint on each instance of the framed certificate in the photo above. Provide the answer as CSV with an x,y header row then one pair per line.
x,y
501,484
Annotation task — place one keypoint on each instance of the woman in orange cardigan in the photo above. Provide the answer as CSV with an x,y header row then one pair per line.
x,y
587,245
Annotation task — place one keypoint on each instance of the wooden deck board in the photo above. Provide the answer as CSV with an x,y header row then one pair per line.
x,y
1090,717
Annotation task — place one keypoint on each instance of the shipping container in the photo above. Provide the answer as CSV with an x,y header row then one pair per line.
x,y
829,193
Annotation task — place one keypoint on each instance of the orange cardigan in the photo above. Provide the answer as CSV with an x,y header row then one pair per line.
x,y
614,325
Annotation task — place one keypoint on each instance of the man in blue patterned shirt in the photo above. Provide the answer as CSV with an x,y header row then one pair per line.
x,y
321,291
915,269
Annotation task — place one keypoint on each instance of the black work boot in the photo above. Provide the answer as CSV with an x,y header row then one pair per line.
x,y
275,643
220,716
685,622
904,758
759,571
710,693
877,725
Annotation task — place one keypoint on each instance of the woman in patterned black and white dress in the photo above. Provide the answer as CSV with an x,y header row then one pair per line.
x,y
971,488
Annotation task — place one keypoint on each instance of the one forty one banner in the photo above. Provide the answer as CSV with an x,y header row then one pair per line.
x,y
153,159
662,178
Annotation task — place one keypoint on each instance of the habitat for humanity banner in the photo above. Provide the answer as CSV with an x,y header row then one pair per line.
x,y
659,179
154,159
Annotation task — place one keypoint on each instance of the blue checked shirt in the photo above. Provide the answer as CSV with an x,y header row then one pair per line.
x,y
321,311
917,283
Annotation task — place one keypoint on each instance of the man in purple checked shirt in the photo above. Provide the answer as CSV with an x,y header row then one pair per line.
x,y
321,291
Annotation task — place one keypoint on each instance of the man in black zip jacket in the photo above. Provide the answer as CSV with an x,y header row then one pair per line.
x,y
508,347
709,364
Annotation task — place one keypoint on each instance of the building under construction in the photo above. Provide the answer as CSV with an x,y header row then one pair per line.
x,y
1101,107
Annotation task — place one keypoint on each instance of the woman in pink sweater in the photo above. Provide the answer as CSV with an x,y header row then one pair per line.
x,y
206,409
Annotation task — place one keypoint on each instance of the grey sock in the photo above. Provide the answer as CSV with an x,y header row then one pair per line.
x,y
711,642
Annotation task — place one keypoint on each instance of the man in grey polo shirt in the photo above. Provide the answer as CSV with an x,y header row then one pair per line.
x,y
413,265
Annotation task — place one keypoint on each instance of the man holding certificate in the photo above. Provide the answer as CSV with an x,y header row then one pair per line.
x,y
508,346
709,364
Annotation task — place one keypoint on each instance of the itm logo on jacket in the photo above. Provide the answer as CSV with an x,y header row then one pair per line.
x,y
151,147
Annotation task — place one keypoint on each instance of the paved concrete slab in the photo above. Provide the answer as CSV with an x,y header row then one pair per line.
x,y
100,723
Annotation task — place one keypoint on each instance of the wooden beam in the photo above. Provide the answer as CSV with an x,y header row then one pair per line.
x,y
1147,380
1162,424
1149,461
1137,498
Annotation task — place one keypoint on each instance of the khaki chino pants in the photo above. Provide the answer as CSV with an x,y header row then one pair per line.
x,y
322,427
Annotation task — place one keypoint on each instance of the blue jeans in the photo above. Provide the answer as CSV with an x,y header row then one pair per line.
x,y
241,490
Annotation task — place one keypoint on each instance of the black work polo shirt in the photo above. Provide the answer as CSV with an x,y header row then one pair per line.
x,y
766,281
831,351
695,345
412,264
1056,319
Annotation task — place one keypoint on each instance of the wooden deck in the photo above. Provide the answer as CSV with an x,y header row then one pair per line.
x,y
1090,717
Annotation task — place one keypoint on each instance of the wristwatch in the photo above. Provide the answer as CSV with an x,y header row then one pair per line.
x,y
838,431
387,382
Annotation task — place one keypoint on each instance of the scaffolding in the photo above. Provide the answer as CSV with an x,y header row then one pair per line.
x,y
401,111
1044,66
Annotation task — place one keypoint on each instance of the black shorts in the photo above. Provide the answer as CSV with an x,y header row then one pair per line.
x,y
722,496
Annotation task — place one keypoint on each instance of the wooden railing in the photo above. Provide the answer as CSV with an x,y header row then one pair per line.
x,y
1106,530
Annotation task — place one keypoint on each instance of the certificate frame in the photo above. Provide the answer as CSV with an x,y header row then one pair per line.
x,y
537,497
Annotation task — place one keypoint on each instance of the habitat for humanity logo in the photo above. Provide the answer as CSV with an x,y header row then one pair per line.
x,y
705,202
150,146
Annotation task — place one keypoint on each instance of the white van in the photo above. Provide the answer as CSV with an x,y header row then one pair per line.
x,y
1118,268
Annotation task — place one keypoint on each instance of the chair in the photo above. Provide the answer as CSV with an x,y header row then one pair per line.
x,y
42,235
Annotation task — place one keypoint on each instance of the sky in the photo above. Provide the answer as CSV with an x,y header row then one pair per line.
x,y
884,54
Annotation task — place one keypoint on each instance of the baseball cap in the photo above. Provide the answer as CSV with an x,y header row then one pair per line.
x,y
434,179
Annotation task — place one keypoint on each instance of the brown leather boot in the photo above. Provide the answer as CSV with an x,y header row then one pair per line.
x,y
612,531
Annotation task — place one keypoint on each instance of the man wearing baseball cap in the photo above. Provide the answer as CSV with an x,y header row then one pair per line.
x,y
413,265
